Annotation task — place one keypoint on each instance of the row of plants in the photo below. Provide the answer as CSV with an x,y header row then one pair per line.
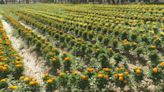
x,y
10,62
55,57
130,15
157,34
11,67
154,27
153,9
138,75
123,45
105,79
78,47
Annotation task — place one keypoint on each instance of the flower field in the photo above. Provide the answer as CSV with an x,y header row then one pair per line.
x,y
85,48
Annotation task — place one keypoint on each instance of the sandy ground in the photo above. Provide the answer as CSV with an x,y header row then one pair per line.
x,y
34,65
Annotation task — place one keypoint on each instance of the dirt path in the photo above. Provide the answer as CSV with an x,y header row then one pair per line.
x,y
34,65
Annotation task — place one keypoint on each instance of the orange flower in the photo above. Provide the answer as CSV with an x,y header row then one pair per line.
x,y
138,71
26,79
83,77
115,76
155,70
19,66
121,78
3,59
106,76
67,59
106,69
50,81
162,64
33,83
100,75
120,75
126,73
46,75
90,70
3,68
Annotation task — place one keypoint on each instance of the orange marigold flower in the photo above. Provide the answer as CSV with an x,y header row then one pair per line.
x,y
90,70
155,70
162,64
49,81
33,83
126,73
46,75
67,59
106,69
115,76
18,65
106,76
83,77
138,71
121,78
100,76
121,75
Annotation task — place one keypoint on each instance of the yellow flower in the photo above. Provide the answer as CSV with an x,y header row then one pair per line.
x,y
53,78
153,47
162,64
106,76
54,59
33,83
12,87
21,77
110,49
26,79
3,80
75,72
100,75
117,69
90,70
6,65
62,74
3,59
4,68
122,68
126,73
106,69
120,75
126,42
134,68
18,65
155,70
49,81
138,71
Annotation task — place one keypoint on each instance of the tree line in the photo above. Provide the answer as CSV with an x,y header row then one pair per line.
x,y
77,1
